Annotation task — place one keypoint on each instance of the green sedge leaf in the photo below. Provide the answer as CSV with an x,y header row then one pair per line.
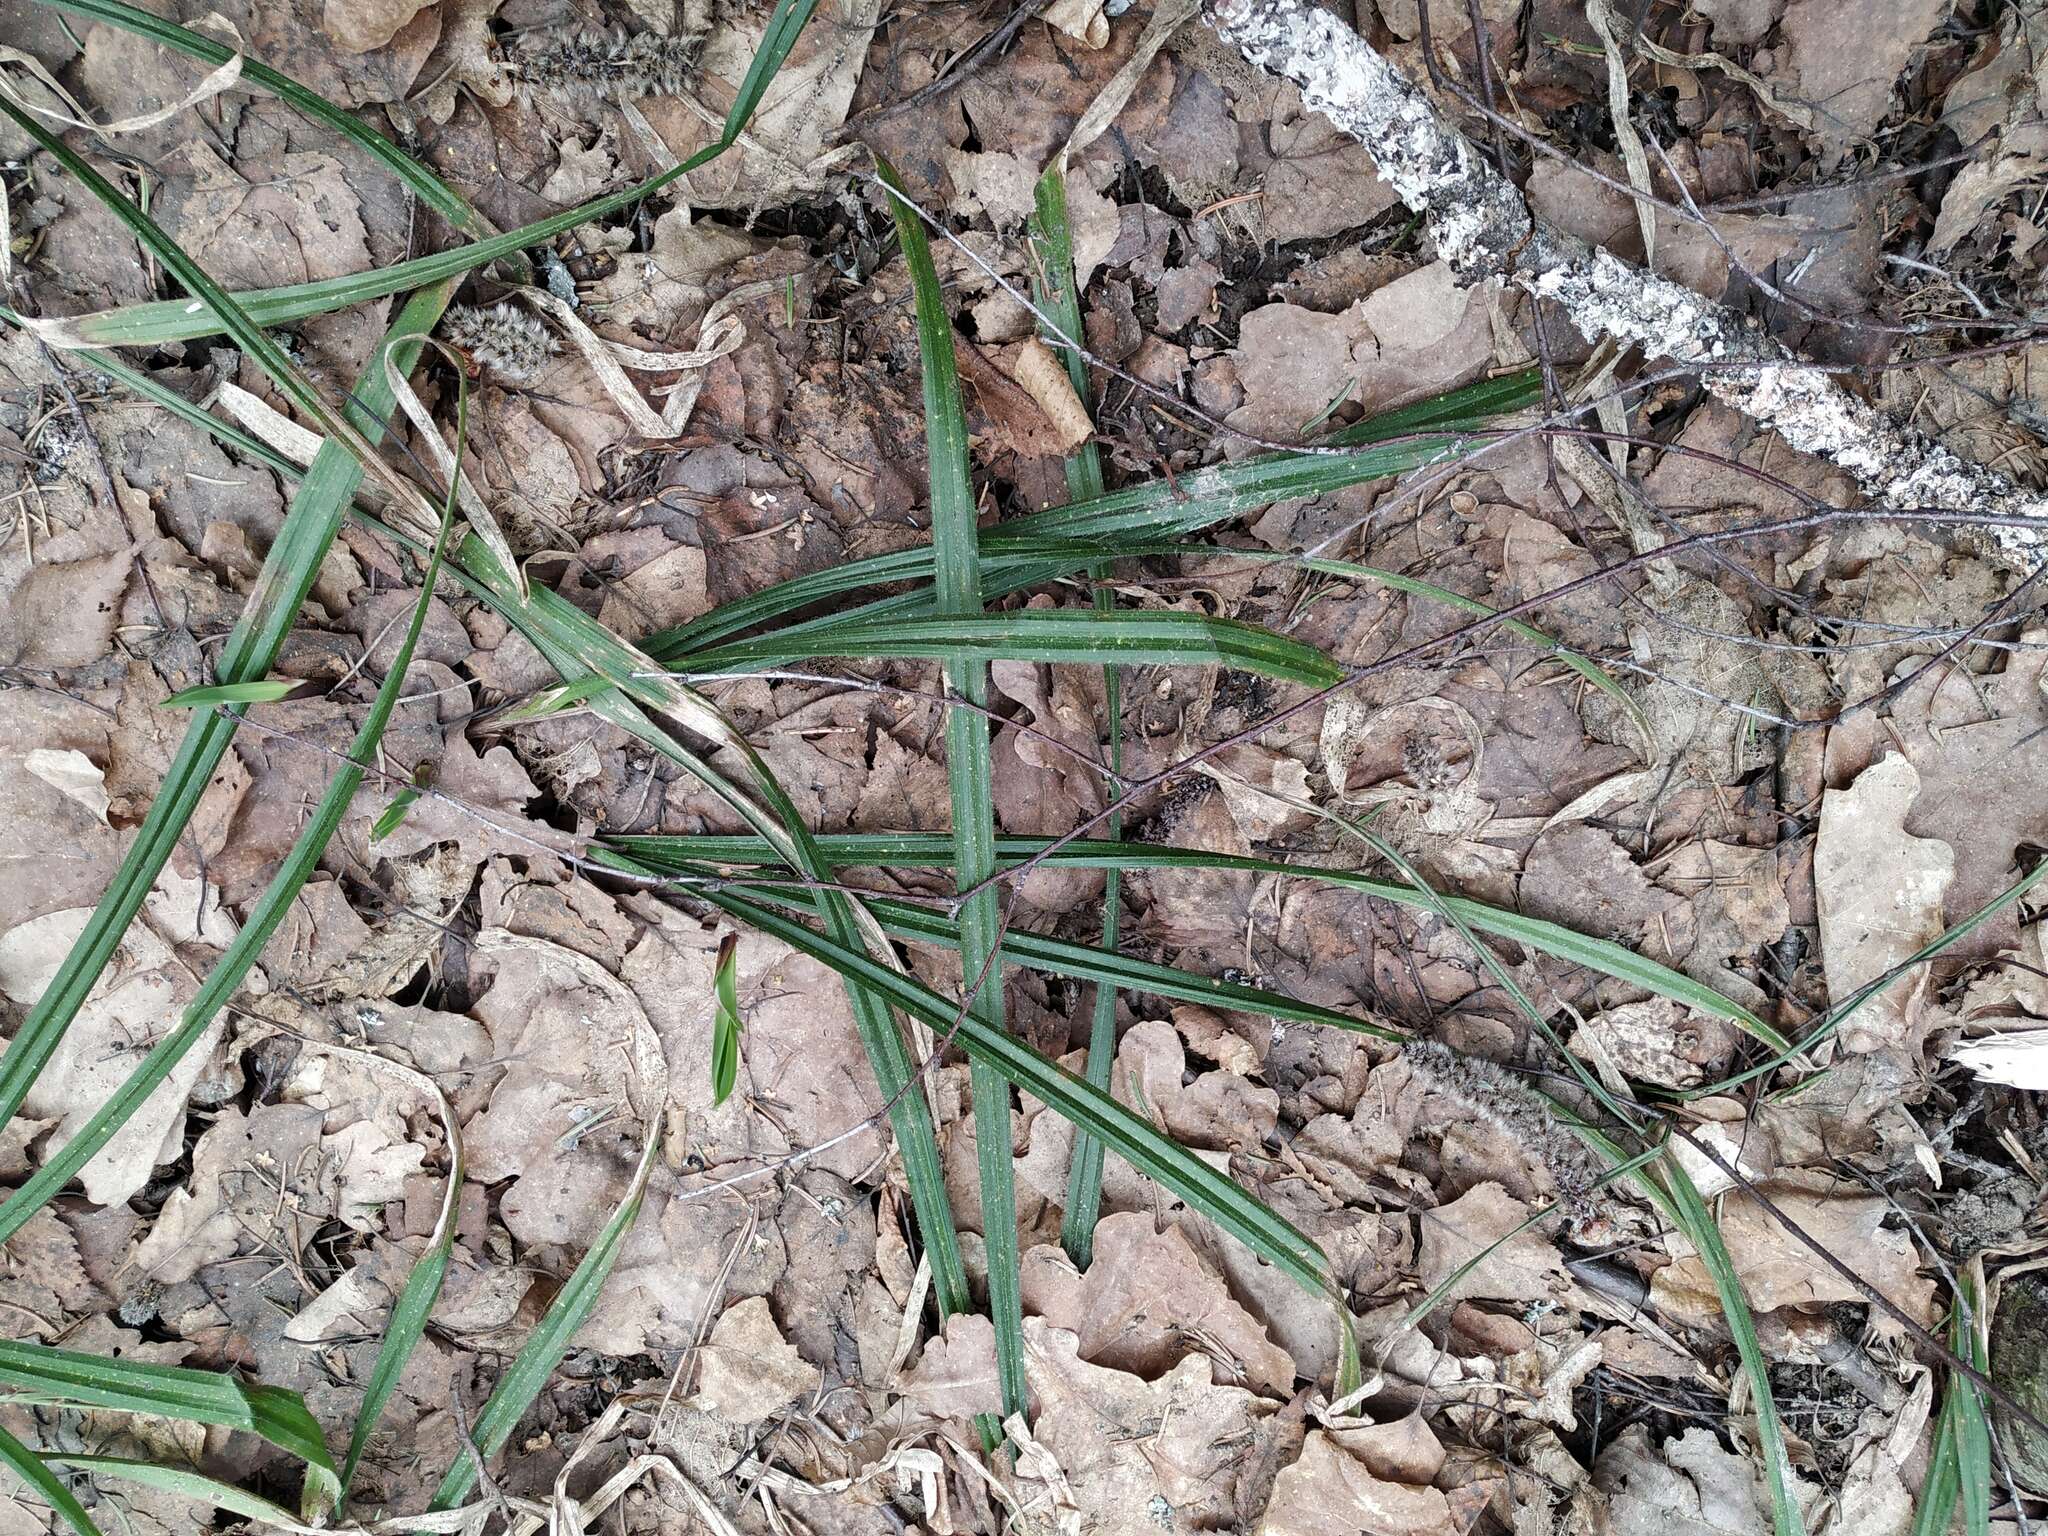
x,y
725,1034
262,690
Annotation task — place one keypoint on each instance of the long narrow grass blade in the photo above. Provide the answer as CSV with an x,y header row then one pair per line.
x,y
1053,246
273,605
549,1341
1939,1488
47,1486
957,588
1132,1138
65,1377
1972,1427
262,921
178,320
1689,1213
1143,512
182,1480
906,849
1043,635
1671,1189
1576,661
1084,962
438,195
408,1320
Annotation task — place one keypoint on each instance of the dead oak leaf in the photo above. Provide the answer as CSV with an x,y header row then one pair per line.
x,y
1778,1270
1328,1492
1140,1457
1142,1301
137,997
1474,1229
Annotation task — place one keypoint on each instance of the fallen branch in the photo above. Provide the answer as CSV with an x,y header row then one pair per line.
x,y
1483,228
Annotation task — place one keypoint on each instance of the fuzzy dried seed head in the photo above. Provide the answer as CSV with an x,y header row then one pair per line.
x,y
594,64
1494,1096
503,339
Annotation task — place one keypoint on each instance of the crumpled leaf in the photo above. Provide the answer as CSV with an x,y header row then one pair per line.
x,y
1328,1492
1144,1295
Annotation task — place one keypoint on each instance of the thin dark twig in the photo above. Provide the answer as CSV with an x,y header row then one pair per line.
x,y
1357,675
974,60
1864,1288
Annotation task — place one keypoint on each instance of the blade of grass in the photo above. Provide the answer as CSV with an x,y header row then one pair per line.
x,y
1689,1213
262,690
45,1484
1053,246
408,1320
1969,1333
1577,661
906,849
1085,962
956,585
60,1167
180,1480
1671,1189
967,641
68,1378
1939,1488
180,320
1153,510
1130,1136
438,195
549,1341
287,575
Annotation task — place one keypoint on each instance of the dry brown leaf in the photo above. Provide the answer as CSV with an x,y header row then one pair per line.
x,y
1777,1270
1691,1488
357,26
1139,1455
1525,1267
1044,378
1328,1492
748,1371
1143,1298
1880,892
136,999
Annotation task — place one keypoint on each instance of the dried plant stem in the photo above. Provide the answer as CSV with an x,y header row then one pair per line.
x,y
1484,228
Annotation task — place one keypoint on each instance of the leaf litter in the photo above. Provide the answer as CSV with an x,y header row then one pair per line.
x,y
1821,770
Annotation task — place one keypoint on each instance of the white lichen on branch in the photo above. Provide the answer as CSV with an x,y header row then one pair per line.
x,y
1483,228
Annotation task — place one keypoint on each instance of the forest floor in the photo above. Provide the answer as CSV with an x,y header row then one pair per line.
x,y
1800,759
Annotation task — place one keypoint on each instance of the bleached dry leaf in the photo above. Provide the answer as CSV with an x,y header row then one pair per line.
x,y
749,1372
1879,891
1692,1488
72,774
2016,1057
137,998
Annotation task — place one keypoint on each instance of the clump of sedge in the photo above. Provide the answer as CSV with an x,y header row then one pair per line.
x,y
1494,1096
502,338
597,64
